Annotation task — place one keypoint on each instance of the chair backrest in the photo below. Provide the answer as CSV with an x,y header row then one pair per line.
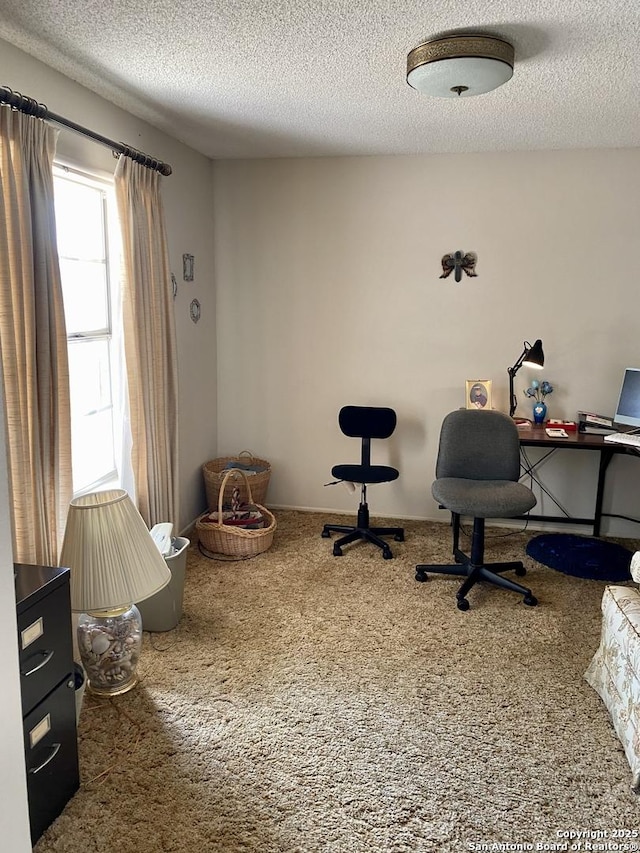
x,y
478,445
367,421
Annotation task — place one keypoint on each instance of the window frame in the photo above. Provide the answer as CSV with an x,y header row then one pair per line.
x,y
105,186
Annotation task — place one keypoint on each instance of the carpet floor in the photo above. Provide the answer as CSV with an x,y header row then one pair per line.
x,y
309,704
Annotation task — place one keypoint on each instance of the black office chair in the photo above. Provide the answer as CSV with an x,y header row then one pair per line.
x,y
365,422
477,473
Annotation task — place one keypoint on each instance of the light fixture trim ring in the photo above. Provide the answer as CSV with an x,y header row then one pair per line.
x,y
460,47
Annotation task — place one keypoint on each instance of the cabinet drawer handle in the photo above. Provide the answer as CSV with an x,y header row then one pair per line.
x,y
55,747
45,660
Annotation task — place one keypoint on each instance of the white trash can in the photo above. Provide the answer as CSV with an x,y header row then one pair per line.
x,y
80,680
163,610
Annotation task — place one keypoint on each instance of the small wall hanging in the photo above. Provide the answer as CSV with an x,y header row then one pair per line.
x,y
187,267
195,310
459,262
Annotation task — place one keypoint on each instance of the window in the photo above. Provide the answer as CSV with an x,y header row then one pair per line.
x,y
85,217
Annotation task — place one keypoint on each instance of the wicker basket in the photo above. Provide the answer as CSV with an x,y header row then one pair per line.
x,y
215,470
222,538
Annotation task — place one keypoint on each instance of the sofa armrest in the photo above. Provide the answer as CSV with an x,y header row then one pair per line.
x,y
614,671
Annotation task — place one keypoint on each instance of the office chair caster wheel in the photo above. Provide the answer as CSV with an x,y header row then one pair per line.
x,y
387,554
421,576
399,537
521,572
530,600
325,534
337,551
462,604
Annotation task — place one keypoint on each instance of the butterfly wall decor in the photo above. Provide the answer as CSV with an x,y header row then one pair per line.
x,y
459,262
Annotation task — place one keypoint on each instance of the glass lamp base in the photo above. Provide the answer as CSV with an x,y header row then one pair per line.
x,y
110,643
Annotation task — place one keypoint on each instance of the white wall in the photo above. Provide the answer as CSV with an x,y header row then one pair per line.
x,y
328,293
187,197
14,815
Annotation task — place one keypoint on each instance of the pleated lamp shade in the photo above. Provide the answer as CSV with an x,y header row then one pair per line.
x,y
113,559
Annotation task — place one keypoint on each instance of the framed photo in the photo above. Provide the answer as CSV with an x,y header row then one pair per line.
x,y
478,394
187,267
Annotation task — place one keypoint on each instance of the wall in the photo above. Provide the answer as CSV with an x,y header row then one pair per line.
x,y
328,289
188,209
14,815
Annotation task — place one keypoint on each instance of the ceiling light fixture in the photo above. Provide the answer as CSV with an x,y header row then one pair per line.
x,y
460,65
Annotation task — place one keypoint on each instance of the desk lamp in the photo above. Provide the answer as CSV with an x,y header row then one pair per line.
x,y
114,562
532,356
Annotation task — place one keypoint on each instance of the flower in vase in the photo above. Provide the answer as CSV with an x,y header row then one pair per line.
x,y
539,390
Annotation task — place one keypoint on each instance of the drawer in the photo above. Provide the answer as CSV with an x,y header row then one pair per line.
x,y
51,751
45,644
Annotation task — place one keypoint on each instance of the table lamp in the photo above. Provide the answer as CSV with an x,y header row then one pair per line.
x,y
113,562
532,356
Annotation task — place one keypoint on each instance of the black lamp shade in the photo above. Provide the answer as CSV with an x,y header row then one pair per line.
x,y
535,356
532,356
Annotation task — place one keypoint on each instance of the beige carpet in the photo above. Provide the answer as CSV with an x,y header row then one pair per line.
x,y
311,703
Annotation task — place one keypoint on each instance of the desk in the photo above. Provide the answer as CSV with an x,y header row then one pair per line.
x,y
537,437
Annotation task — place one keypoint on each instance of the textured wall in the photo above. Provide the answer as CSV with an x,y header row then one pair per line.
x,y
328,293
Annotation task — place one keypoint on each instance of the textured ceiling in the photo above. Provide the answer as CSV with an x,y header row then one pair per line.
x,y
280,78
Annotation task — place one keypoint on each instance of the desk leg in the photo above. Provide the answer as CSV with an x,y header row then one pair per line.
x,y
606,455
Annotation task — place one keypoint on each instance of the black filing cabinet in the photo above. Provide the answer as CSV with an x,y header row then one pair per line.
x,y
47,684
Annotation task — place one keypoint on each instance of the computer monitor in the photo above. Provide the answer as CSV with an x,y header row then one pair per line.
x,y
628,408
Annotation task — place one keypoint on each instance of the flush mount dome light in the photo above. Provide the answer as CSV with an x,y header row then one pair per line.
x,y
460,65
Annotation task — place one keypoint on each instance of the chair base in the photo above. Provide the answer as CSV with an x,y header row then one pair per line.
x,y
361,530
474,569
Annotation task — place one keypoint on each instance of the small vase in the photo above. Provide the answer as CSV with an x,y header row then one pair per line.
x,y
539,412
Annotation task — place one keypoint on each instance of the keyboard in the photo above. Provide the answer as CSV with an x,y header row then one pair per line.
x,y
628,438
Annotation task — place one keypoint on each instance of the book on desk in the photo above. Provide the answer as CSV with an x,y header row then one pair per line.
x,y
595,420
589,429
593,424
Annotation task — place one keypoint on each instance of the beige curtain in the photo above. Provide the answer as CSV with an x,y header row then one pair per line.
x,y
33,341
150,346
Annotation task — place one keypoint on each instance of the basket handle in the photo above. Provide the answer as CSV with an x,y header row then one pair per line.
x,y
251,455
230,472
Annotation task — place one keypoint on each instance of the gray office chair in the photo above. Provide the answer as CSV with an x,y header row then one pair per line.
x,y
477,474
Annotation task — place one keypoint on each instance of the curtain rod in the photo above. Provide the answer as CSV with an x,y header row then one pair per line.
x,y
27,105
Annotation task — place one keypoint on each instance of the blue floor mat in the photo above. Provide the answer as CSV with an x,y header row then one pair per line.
x,y
582,556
